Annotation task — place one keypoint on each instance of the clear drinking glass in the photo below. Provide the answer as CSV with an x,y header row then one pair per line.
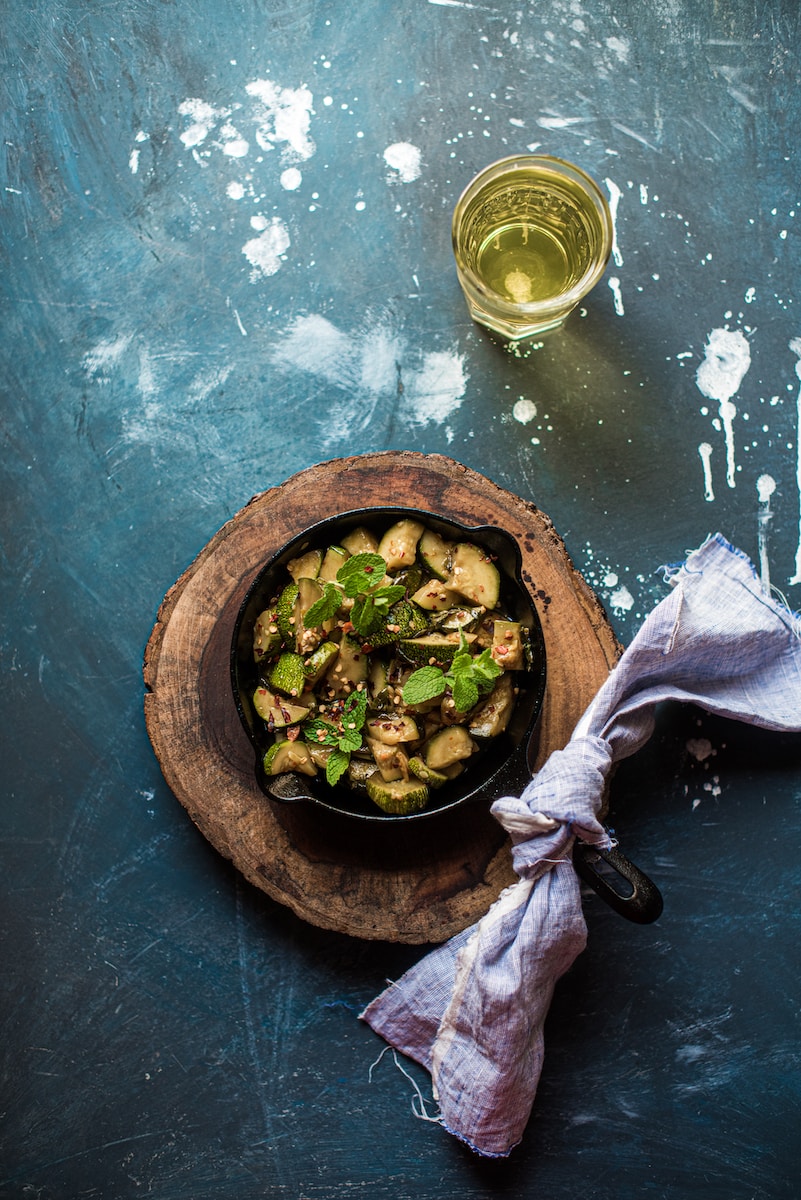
x,y
532,235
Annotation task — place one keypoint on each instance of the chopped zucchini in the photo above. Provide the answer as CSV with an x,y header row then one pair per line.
x,y
398,796
398,546
288,756
435,596
266,635
306,565
411,578
361,771
306,640
277,711
391,728
349,669
419,767
392,761
432,648
318,754
507,645
288,674
318,662
459,618
448,746
334,558
474,575
435,554
285,612
360,541
493,715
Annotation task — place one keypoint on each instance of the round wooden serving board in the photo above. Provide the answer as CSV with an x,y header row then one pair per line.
x,y
436,876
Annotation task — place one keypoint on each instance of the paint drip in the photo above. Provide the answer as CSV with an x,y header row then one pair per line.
x,y
766,486
727,357
795,346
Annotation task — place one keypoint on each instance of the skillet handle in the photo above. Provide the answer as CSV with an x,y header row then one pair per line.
x,y
624,887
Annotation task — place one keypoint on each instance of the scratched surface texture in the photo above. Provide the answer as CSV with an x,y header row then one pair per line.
x,y
226,256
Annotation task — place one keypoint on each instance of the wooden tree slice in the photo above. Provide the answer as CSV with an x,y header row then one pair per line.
x,y
438,877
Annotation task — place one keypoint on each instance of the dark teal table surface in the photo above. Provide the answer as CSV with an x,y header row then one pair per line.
x,y
226,256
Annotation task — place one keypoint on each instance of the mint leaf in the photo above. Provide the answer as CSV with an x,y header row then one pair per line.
x,y
354,714
385,597
320,733
471,677
336,766
485,670
361,572
371,609
325,608
464,692
364,615
424,684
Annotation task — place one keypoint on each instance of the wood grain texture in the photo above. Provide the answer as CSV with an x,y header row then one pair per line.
x,y
429,883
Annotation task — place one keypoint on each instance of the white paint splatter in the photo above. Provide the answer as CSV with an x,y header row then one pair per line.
x,y
235,190
559,122
614,201
766,486
100,361
614,284
795,347
232,142
524,411
202,116
700,748
133,161
291,179
372,365
620,47
405,159
610,579
727,357
436,388
643,194
284,117
750,295
264,252
622,599
705,451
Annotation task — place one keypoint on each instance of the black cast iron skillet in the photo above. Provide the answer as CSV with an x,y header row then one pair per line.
x,y
502,767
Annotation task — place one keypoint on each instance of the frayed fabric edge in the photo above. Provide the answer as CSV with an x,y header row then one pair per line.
x,y
465,1140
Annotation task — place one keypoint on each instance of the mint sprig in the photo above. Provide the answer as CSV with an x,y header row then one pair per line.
x,y
469,678
424,684
325,608
371,610
342,732
360,579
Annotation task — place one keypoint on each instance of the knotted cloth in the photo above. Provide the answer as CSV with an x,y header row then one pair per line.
x,y
472,1011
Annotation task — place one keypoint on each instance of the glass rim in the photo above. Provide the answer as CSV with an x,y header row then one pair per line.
x,y
565,300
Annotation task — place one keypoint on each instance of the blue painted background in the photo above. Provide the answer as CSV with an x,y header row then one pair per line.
x,y
166,1030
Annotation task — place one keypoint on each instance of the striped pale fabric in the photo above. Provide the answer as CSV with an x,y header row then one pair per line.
x,y
472,1011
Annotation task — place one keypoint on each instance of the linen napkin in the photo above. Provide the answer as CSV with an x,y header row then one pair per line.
x,y
472,1011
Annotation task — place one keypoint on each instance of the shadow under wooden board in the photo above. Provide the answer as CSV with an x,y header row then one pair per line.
x,y
438,876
